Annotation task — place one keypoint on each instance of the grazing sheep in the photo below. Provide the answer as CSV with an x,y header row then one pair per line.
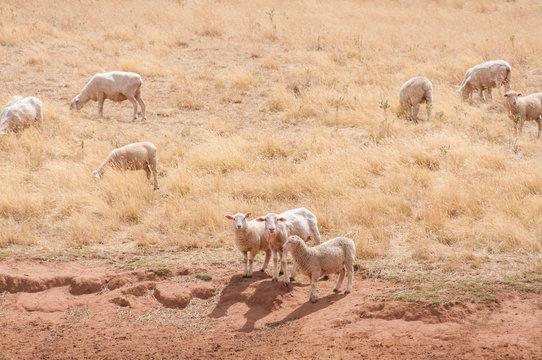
x,y
116,86
485,77
332,256
300,222
414,92
522,109
136,156
250,236
20,113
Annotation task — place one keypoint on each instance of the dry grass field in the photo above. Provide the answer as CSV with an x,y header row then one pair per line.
x,y
269,105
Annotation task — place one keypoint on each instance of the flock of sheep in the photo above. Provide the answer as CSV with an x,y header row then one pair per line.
x,y
481,78
288,232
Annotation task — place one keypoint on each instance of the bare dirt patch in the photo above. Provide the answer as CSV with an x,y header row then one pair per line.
x,y
56,310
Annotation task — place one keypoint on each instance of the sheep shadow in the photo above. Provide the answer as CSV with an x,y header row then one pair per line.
x,y
232,292
308,308
261,300
266,298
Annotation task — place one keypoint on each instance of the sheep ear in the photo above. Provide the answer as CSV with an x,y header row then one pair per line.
x,y
260,219
228,217
505,95
282,219
247,215
520,94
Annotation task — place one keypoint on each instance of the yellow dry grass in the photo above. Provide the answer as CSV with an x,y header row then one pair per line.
x,y
270,105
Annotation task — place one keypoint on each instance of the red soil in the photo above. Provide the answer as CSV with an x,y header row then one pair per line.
x,y
92,310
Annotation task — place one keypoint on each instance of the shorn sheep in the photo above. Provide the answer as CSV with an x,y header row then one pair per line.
x,y
250,238
300,222
332,256
115,86
136,156
525,108
485,77
20,113
414,92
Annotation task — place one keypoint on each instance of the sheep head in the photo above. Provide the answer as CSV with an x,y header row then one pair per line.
x,y
271,222
76,103
239,220
292,242
512,97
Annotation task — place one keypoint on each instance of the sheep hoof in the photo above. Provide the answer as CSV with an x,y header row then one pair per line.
x,y
281,273
262,270
245,276
286,284
314,300
326,277
274,280
336,290
347,292
291,278
249,276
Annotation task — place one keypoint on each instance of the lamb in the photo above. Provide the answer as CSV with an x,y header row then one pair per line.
x,y
116,86
300,222
525,108
250,237
485,77
335,255
136,156
414,92
20,113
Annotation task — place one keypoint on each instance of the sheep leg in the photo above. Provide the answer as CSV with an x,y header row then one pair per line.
x,y
350,276
100,105
148,171
284,263
250,263
340,280
539,122
266,261
134,102
314,293
275,266
481,94
489,96
245,257
415,109
292,274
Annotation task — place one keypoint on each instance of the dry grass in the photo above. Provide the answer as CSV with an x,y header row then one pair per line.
x,y
268,105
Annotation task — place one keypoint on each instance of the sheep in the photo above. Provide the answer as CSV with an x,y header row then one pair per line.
x,y
300,222
485,77
335,255
136,156
116,86
525,108
250,236
20,113
414,92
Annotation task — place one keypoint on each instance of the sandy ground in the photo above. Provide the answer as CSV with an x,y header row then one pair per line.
x,y
91,309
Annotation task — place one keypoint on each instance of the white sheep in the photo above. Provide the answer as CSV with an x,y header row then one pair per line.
x,y
414,92
522,109
136,156
332,256
115,86
20,113
300,222
250,237
485,77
